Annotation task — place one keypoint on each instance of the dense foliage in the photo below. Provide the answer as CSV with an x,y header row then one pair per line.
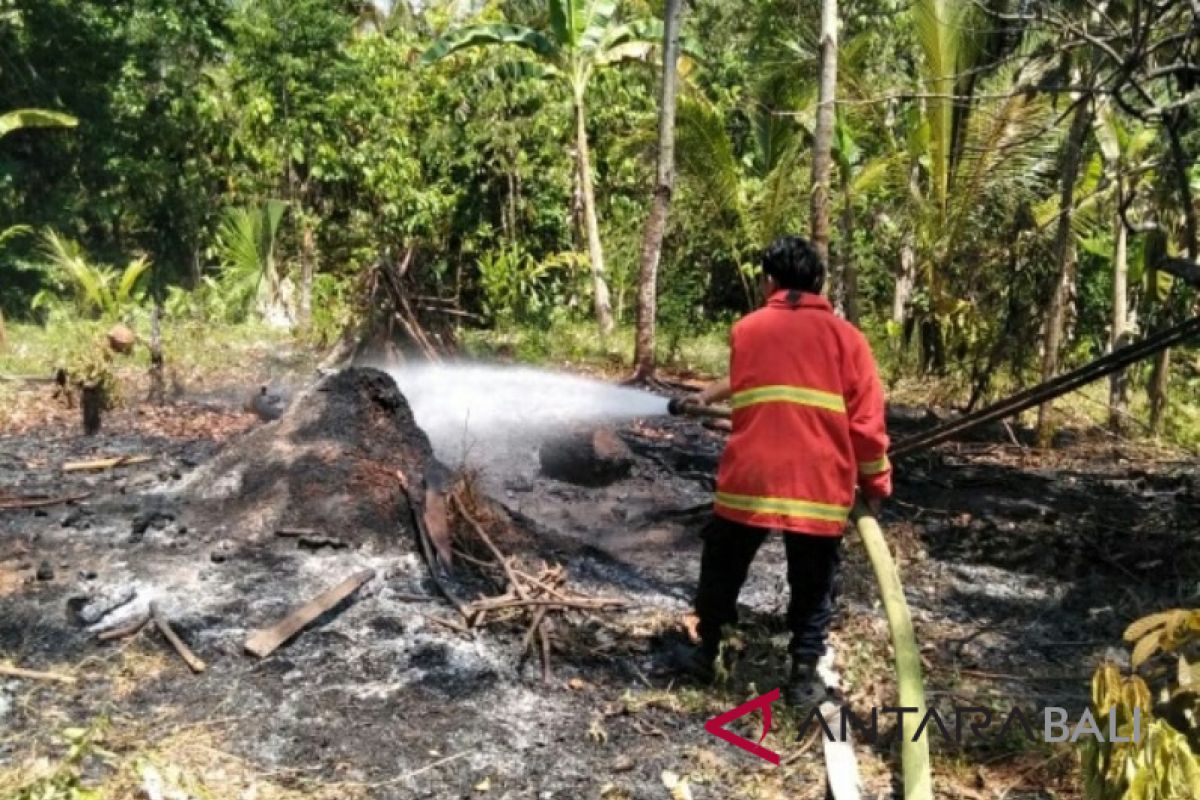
x,y
996,164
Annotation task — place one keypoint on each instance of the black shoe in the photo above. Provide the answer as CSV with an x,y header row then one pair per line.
x,y
805,689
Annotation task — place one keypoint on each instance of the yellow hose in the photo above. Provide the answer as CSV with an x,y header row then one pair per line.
x,y
914,756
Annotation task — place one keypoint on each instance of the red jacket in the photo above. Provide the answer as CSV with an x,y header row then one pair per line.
x,y
808,420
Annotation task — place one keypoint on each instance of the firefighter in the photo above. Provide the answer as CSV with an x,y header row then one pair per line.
x,y
808,430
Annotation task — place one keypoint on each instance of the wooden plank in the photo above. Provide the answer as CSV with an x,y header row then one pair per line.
x,y
33,675
195,664
265,641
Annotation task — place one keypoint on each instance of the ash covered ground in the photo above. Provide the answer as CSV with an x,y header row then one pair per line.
x,y
1022,569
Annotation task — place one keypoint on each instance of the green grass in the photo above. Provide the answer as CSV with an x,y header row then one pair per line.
x,y
579,344
197,355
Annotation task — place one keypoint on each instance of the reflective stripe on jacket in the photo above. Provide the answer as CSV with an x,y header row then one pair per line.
x,y
808,419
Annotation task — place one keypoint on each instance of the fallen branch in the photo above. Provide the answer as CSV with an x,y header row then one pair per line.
x,y
160,621
125,630
267,640
16,503
487,540
105,463
545,652
576,603
448,623
293,533
33,675
534,629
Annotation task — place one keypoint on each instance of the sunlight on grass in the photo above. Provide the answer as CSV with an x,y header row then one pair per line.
x,y
579,345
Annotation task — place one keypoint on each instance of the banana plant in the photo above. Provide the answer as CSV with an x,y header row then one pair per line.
x,y
583,37
34,118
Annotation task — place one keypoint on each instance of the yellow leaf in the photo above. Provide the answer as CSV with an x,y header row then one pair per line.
x,y
484,785
1136,694
1145,648
1141,627
1106,686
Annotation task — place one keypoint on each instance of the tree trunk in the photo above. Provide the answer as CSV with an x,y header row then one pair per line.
x,y
3,332
904,282
823,135
644,357
848,268
1064,251
1159,375
91,404
1118,394
603,303
308,269
158,385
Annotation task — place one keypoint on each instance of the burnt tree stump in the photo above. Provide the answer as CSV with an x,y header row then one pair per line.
x,y
586,457
91,402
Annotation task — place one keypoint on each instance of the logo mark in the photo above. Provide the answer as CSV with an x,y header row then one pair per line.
x,y
716,726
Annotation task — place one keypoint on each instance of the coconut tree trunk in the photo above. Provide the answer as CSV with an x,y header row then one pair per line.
x,y
1064,251
644,357
603,303
823,135
1118,394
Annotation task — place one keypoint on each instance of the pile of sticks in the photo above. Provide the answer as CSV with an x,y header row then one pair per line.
x,y
534,594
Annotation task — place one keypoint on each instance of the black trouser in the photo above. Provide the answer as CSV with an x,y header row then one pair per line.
x,y
729,547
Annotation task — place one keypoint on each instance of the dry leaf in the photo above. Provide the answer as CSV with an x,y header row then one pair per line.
x,y
1145,648
678,786
1138,629
484,785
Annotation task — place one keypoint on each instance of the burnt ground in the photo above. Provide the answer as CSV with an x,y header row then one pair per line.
x,y
1022,568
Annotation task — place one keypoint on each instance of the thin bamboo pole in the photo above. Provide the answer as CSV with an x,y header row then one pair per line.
x,y
914,756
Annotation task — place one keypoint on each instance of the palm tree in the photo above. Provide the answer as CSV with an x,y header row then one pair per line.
x,y
16,120
584,35
753,196
822,166
960,147
647,309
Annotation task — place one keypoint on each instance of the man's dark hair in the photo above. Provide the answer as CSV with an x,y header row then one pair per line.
x,y
794,264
